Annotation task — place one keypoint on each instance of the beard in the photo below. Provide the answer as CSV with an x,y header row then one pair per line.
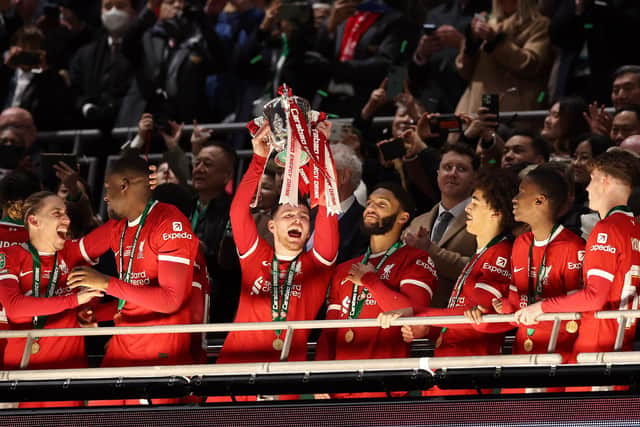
x,y
383,226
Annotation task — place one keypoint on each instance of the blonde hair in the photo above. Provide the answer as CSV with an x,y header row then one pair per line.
x,y
526,10
33,204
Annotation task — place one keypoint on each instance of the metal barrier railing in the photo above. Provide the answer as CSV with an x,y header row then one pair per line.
x,y
78,136
290,326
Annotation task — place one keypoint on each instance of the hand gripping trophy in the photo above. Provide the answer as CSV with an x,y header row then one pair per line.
x,y
299,137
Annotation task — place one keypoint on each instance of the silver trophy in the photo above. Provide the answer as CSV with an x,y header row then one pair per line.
x,y
275,114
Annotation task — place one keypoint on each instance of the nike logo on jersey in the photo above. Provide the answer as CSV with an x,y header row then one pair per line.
x,y
517,270
25,273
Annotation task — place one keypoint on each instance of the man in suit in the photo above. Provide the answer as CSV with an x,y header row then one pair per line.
x,y
442,231
353,242
100,74
358,45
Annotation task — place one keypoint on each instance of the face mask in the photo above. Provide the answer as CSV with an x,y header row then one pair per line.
x,y
116,20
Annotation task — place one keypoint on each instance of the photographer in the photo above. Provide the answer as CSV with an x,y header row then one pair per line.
x,y
27,81
432,70
173,47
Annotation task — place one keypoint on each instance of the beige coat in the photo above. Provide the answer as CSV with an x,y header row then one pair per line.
x,y
521,61
450,255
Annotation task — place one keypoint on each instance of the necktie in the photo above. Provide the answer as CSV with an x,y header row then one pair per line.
x,y
443,221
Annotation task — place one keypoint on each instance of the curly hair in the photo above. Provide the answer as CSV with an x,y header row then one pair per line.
x,y
499,187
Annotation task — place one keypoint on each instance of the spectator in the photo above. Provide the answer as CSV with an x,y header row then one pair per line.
x,y
625,92
626,122
485,277
353,242
18,148
608,258
626,86
360,42
525,147
432,71
389,276
631,143
100,74
509,55
592,38
442,231
213,168
564,121
10,21
580,219
27,81
172,52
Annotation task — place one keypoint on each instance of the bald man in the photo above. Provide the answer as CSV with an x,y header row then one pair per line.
x,y
21,121
631,143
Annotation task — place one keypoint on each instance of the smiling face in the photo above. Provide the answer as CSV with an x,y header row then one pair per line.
x,y
290,228
478,213
211,170
455,176
552,128
581,157
49,223
382,213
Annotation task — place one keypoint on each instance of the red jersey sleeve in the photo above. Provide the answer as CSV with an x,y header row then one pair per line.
x,y
245,233
89,248
327,241
175,270
599,272
15,303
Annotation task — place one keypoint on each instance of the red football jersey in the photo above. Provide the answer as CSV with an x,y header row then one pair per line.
x,y
407,278
16,296
309,282
611,278
489,278
10,234
562,275
159,288
200,303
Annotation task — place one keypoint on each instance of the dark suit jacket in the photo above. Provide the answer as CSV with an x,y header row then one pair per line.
x,y
450,255
353,242
101,78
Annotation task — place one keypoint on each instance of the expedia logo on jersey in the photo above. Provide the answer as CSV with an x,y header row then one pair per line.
x,y
574,265
603,248
496,268
4,244
602,238
429,266
139,278
177,235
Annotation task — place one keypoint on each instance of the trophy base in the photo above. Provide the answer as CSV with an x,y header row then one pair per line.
x,y
281,158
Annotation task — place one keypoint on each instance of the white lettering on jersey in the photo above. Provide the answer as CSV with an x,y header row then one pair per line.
x,y
7,244
386,272
177,226
501,262
603,248
495,269
429,265
635,244
602,238
345,305
139,278
574,266
172,236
